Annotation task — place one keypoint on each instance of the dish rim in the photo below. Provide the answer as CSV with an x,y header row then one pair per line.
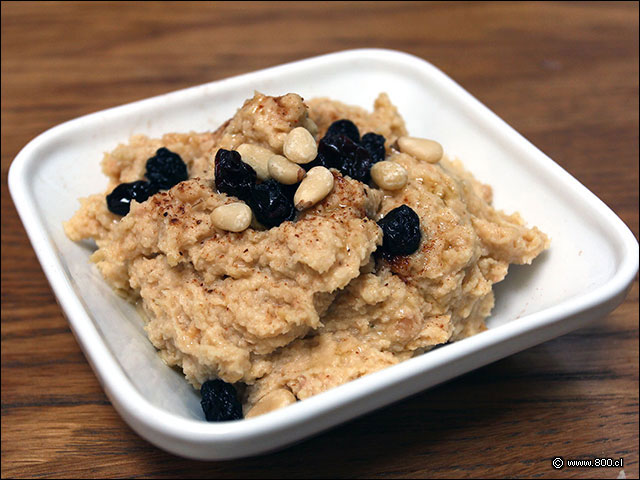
x,y
140,413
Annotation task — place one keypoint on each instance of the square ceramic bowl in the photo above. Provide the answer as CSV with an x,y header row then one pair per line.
x,y
585,274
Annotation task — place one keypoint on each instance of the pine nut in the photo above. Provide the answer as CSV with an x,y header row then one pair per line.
x,y
256,156
233,217
300,146
389,175
310,125
428,151
284,171
313,188
272,401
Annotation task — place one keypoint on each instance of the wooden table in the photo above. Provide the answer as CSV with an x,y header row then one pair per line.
x,y
565,75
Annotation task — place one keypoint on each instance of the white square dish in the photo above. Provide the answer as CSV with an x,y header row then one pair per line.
x,y
585,274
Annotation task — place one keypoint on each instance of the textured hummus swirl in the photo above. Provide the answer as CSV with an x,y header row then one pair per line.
x,y
307,305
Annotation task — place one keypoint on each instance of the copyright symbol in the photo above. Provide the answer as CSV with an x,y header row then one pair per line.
x,y
557,463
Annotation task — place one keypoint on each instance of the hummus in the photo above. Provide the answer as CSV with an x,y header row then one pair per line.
x,y
307,305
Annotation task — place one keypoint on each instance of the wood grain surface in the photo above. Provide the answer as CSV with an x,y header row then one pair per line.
x,y
563,74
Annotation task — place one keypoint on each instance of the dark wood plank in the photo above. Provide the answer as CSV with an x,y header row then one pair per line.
x,y
563,74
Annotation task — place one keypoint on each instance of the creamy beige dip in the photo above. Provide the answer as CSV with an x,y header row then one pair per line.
x,y
304,306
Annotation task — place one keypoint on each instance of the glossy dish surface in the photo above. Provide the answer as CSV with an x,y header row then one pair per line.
x,y
582,277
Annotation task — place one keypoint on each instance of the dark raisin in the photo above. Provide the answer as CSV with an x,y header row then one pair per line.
x,y
233,176
329,152
374,144
119,200
401,231
358,164
289,190
166,169
340,152
272,204
319,161
344,127
220,401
